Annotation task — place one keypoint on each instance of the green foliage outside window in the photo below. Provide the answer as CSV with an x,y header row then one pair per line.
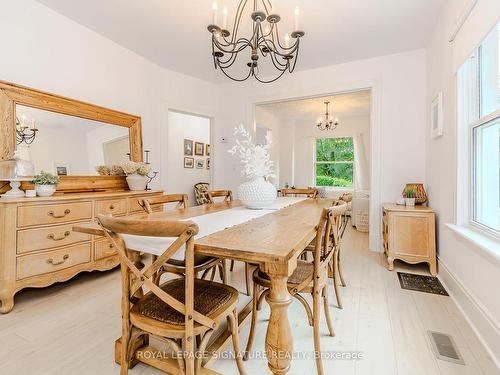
x,y
334,162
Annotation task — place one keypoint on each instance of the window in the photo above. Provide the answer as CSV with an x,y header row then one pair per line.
x,y
479,109
489,76
334,162
486,168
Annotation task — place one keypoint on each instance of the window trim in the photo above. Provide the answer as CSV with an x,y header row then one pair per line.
x,y
316,162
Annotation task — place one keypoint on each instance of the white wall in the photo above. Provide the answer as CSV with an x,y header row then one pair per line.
x,y
183,126
398,115
471,275
47,51
266,119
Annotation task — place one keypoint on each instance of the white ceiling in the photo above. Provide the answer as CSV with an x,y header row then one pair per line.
x,y
173,34
309,110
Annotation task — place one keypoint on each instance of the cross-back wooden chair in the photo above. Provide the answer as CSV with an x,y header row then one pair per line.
x,y
310,193
347,197
202,264
308,277
179,311
335,269
148,204
226,194
336,238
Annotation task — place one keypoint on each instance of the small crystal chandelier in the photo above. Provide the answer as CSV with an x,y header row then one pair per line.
x,y
263,42
326,121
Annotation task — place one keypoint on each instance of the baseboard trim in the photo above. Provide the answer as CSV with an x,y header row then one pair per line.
x,y
483,325
374,242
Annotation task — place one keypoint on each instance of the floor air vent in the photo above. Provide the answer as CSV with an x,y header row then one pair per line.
x,y
444,347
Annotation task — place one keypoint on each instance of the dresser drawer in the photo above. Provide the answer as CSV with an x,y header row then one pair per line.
x,y
104,249
111,206
51,261
29,240
53,213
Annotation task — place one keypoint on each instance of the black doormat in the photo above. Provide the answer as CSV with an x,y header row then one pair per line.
x,y
421,283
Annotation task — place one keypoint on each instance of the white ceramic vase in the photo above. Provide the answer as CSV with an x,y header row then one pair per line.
x,y
257,193
45,190
137,182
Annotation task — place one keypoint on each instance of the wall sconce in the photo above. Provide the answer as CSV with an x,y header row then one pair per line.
x,y
24,133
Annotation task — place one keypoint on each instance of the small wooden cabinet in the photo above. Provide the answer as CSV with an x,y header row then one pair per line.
x,y
409,235
38,246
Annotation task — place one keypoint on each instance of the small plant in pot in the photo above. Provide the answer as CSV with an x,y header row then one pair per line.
x,y
137,175
45,184
409,195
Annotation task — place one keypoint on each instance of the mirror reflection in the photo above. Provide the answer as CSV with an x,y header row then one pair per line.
x,y
68,145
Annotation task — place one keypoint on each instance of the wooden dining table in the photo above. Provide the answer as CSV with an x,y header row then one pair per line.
x,y
273,241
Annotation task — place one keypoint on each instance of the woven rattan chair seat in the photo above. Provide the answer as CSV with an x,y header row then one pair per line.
x,y
199,260
209,298
303,271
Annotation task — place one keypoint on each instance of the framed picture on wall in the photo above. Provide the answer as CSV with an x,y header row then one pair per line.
x,y
437,116
207,150
208,163
199,148
188,147
200,163
62,169
188,162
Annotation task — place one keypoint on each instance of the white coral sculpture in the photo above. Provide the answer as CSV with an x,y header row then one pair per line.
x,y
255,158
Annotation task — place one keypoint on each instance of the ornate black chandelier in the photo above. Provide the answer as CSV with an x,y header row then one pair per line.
x,y
327,122
263,42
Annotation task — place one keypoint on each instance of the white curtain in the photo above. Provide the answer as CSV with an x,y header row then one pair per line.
x,y
361,169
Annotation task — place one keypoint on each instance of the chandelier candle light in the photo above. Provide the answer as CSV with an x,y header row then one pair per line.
x,y
257,193
264,41
327,122
23,132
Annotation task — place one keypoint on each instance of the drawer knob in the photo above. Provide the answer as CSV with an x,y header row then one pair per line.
x,y
66,212
111,245
112,207
52,236
51,261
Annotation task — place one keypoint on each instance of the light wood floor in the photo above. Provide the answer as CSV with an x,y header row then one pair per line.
x,y
70,328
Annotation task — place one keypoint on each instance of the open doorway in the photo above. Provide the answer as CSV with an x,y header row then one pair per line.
x,y
188,153
337,160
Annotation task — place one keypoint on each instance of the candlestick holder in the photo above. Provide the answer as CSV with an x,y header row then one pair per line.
x,y
150,178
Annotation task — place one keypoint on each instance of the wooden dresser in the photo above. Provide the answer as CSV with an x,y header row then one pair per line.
x,y
38,246
409,235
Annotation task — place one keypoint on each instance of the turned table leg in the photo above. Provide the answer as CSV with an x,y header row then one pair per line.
x,y
279,343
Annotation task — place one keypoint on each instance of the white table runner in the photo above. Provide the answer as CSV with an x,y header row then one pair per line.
x,y
208,224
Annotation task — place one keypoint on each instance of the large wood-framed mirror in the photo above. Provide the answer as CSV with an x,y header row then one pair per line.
x,y
73,137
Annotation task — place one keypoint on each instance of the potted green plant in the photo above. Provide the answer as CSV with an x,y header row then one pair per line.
x,y
137,174
409,195
45,184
